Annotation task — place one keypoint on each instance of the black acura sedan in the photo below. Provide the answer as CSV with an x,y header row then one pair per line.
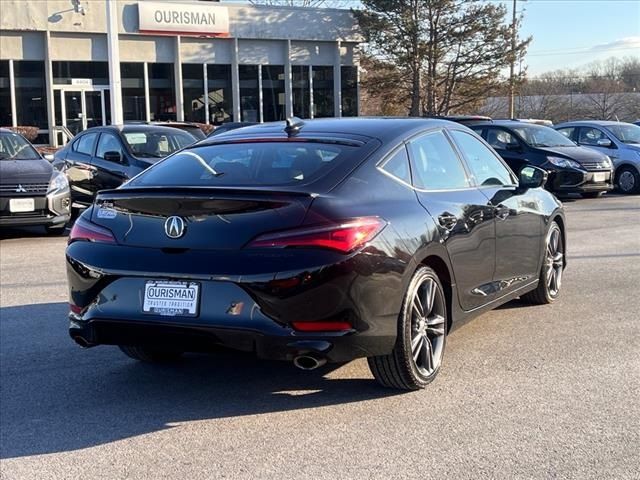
x,y
311,242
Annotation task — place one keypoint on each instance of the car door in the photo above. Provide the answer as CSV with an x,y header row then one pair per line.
x,y
508,146
77,166
592,137
516,214
108,173
459,210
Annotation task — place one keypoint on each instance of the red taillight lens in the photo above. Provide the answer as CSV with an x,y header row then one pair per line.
x,y
322,326
75,309
344,237
84,230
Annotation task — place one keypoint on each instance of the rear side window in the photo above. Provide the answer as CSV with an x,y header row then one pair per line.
x,y
398,165
85,143
265,163
435,165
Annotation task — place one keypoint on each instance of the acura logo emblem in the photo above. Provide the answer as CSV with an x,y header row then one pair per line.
x,y
174,227
21,189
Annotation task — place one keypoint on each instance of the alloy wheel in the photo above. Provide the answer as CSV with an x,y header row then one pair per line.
x,y
554,260
627,181
428,323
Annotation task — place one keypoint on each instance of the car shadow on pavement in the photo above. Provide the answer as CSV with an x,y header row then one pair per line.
x,y
56,397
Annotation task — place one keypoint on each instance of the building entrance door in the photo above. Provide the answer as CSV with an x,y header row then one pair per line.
x,y
79,108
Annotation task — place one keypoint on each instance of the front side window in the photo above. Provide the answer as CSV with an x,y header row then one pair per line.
x,y
85,144
590,136
569,132
156,143
486,167
265,163
435,165
541,136
108,143
501,139
15,147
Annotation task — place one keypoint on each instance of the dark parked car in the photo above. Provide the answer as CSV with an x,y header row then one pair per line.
x,y
618,140
571,169
320,241
227,127
105,157
192,128
31,191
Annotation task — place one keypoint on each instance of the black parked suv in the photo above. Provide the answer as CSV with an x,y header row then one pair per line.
x,y
572,169
106,157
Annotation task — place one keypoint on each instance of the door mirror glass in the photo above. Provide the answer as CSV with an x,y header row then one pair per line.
x,y
113,156
604,142
532,177
48,157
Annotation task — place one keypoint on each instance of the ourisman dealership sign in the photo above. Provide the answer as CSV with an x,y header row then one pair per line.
x,y
184,19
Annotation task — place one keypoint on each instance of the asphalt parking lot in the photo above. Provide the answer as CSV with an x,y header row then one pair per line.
x,y
525,392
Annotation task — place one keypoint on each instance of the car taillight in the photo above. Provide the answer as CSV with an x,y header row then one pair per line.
x,y
343,237
87,231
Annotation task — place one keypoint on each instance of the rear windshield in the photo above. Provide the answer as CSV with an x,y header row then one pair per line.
x,y
243,164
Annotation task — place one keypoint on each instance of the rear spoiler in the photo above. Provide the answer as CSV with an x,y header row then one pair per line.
x,y
197,191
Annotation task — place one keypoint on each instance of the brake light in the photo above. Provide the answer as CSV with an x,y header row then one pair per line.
x,y
344,237
87,231
322,326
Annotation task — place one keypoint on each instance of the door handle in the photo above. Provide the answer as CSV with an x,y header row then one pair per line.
x,y
447,220
502,212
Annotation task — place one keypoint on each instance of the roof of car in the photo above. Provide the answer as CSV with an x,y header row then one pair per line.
x,y
138,127
507,123
601,123
383,128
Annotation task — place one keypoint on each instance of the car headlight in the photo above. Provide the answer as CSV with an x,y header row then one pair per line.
x,y
607,162
564,162
58,182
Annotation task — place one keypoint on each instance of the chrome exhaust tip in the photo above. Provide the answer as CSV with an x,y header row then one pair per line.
x,y
307,362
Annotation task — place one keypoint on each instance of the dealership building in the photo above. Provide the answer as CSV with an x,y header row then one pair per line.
x,y
198,61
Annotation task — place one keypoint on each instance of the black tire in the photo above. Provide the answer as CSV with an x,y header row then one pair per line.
x,y
592,194
548,288
415,362
150,355
627,180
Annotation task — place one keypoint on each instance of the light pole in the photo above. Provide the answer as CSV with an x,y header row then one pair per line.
x,y
512,67
113,49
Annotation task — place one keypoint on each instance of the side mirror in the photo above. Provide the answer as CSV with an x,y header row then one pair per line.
x,y
115,157
48,157
532,177
604,142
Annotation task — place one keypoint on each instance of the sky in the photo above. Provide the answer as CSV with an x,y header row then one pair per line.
x,y
574,33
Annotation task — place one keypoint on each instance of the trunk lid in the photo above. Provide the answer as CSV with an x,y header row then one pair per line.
x,y
212,218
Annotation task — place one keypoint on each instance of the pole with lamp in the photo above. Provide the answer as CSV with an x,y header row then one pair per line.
x,y
113,49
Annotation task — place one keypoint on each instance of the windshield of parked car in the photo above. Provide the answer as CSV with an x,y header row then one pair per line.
x,y
626,133
157,142
541,136
244,164
15,147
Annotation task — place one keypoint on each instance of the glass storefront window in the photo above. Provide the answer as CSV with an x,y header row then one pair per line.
x,y
133,106
301,91
64,72
193,92
322,91
220,94
349,87
162,92
273,108
5,95
249,93
31,94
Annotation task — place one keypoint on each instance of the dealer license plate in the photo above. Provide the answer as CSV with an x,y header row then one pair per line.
x,y
600,177
17,205
172,299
